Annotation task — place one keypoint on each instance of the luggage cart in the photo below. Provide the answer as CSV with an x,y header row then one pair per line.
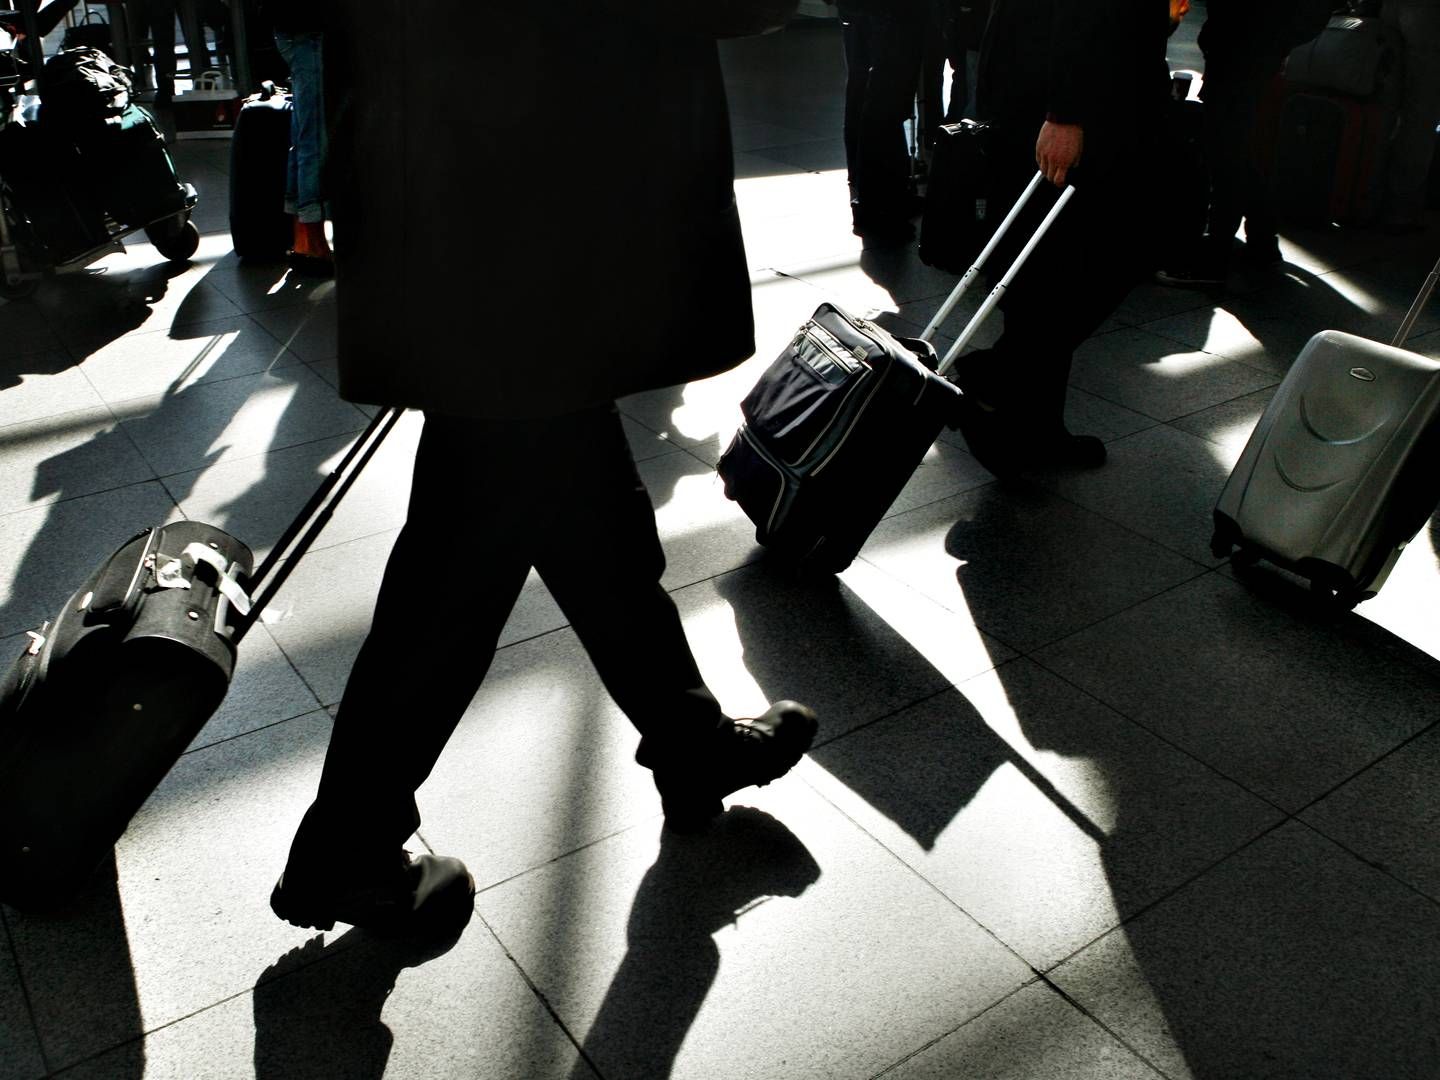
x,y
24,261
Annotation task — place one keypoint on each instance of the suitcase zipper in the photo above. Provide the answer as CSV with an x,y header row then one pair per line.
x,y
765,456
862,356
854,422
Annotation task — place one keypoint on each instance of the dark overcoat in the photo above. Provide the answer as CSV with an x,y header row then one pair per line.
x,y
533,206
1097,63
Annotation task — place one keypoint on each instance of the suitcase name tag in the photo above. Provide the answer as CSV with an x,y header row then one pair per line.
x,y
172,574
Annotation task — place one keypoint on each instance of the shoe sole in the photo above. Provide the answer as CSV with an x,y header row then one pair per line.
x,y
309,920
280,905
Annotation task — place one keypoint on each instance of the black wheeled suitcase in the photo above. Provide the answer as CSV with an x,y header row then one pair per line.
x,y
1340,472
835,427
106,696
259,149
969,186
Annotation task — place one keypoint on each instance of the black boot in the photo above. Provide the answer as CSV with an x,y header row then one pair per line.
x,y
425,896
736,754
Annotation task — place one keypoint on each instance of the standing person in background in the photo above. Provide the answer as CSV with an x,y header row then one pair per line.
x,y
1412,145
299,27
1245,45
957,27
523,461
155,19
1066,86
884,43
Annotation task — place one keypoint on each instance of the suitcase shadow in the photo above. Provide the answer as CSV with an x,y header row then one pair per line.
x,y
847,642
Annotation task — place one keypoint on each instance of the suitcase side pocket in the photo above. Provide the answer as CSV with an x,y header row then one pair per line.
x,y
756,481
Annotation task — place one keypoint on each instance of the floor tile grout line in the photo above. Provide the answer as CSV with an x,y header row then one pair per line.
x,y
913,703
1120,1039
1371,864
269,725
957,1028
1163,545
517,875
25,994
1168,894
1160,735
1044,981
910,869
541,997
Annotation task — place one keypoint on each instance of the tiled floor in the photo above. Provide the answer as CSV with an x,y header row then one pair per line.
x,y
1085,803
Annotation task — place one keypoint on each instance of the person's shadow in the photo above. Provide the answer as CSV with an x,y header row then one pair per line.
x,y
697,886
77,1016
255,514
771,603
318,1007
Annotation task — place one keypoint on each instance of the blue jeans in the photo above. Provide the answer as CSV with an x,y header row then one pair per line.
x,y
305,56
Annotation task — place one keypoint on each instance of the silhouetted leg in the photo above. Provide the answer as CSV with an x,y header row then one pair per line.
x,y
449,586
601,558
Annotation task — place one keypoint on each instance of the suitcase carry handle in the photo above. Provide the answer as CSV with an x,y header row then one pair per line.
x,y
1004,283
1408,323
297,538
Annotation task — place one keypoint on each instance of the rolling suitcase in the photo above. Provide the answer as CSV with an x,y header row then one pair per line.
x,y
957,221
1335,119
259,149
106,696
1328,156
1339,473
835,427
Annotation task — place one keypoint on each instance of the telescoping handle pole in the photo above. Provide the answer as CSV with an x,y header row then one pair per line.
x,y
316,514
1004,283
1418,306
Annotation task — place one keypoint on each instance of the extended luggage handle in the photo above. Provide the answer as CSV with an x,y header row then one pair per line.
x,y
301,533
1408,323
989,303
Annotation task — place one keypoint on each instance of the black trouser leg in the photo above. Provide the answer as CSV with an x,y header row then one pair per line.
x,y
1074,280
883,54
1237,190
603,566
490,499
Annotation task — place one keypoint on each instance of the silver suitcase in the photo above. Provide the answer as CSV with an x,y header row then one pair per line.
x,y
1341,471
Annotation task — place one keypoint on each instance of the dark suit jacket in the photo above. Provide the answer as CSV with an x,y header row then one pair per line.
x,y
533,205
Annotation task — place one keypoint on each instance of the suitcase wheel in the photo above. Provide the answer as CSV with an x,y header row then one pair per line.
x,y
175,240
1336,600
1244,558
19,290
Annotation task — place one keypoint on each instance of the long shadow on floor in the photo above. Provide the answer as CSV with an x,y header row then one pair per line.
x,y
199,414
698,886
1152,824
78,1018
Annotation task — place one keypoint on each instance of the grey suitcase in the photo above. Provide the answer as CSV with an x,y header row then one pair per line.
x,y
1339,473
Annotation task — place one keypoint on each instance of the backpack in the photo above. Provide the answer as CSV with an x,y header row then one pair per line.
x,y
82,88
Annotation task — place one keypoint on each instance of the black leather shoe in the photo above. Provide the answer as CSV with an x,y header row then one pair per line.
x,y
427,896
737,754
316,266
